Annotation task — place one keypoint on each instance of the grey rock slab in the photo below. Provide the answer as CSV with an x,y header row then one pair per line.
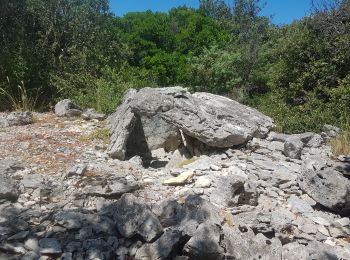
x,y
16,119
316,141
338,231
293,147
298,205
160,249
227,191
330,131
66,108
108,187
10,166
14,247
121,125
50,246
160,134
241,243
314,250
213,120
342,222
32,244
205,244
133,134
32,181
279,137
133,217
8,189
190,215
327,187
281,217
69,220
344,158
19,236
91,113
77,170
343,167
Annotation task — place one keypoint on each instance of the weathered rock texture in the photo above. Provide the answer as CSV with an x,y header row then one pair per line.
x,y
163,117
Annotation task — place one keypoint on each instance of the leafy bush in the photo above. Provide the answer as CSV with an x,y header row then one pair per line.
x,y
216,71
104,93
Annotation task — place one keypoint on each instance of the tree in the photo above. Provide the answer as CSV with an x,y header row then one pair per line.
x,y
42,41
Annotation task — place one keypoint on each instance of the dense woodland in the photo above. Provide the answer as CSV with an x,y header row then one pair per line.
x,y
299,74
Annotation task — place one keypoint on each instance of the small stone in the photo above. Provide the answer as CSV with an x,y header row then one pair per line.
x,y
323,231
203,182
8,188
78,169
309,228
183,178
32,244
19,236
137,160
320,221
16,248
308,199
50,246
344,158
66,108
330,241
215,167
32,181
343,222
293,148
338,231
90,114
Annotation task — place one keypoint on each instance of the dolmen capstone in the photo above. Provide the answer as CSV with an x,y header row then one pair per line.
x,y
153,118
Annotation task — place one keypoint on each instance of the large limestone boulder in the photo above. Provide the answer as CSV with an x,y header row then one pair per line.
x,y
326,186
154,118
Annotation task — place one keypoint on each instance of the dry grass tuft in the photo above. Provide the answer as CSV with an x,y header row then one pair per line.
x,y
101,134
341,144
22,100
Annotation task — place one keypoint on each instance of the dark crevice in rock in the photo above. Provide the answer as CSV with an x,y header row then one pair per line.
x,y
137,143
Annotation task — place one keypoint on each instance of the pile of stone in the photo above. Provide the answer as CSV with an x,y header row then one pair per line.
x,y
219,184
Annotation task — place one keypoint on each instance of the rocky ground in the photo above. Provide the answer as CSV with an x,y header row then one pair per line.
x,y
63,197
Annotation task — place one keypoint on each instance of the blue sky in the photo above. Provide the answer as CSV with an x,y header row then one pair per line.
x,y
283,11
